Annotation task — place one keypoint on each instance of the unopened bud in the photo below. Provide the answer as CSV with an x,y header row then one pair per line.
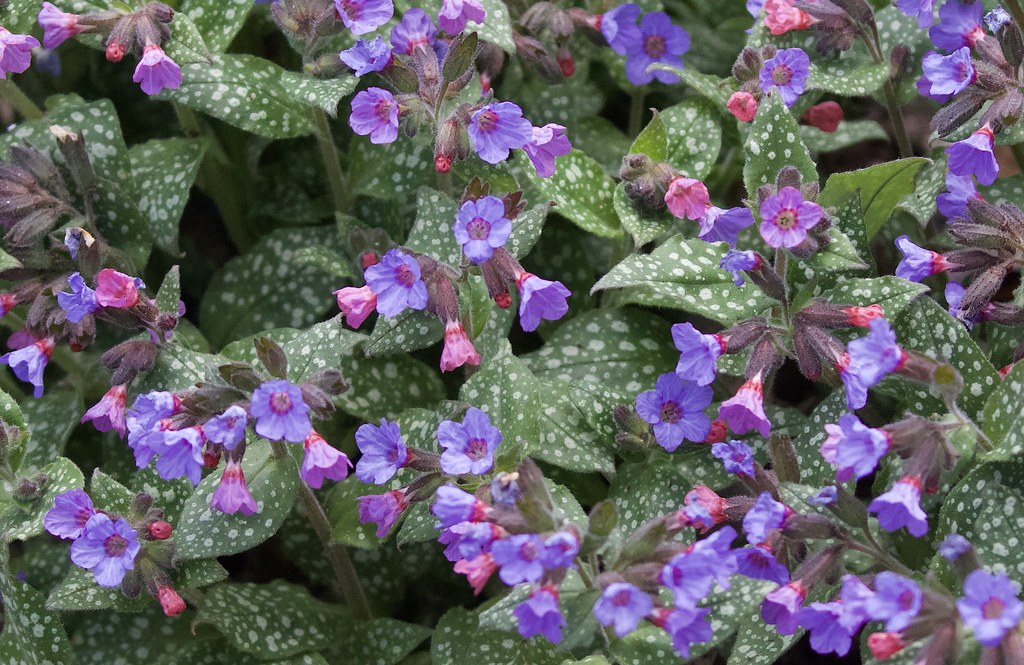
x,y
31,489
160,530
170,601
747,67
885,645
115,50
743,106
826,116
566,62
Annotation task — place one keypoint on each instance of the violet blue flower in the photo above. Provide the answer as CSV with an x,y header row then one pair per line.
x,y
280,412
781,607
920,9
505,490
539,615
108,413
180,453
687,626
415,29
156,71
896,601
382,510
736,456
232,494
366,57
58,26
787,73
453,505
744,411
519,558
397,281
698,353
918,262
619,28
383,452
80,302
873,356
828,635
497,128
826,496
759,563
375,114
974,156
322,461
953,547
719,225
959,25
959,190
765,516
736,261
560,549
786,218
990,606
228,428
481,227
363,16
540,299
854,448
854,595
924,87
676,409
69,515
29,362
107,548
15,52
548,142
622,606
468,540
949,74
454,14
150,408
660,41
691,574
468,446
996,19
901,507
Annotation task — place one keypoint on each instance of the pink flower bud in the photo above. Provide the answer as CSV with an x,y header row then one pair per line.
x,y
884,645
170,601
160,530
743,106
458,349
826,116
687,198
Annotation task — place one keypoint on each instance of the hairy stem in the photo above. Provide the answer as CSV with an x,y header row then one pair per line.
x,y
636,113
20,101
899,128
332,165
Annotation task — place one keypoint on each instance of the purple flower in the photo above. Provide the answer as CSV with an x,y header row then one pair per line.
x,y
619,27
29,362
560,549
107,548
949,74
468,446
765,516
453,16
990,606
787,217
828,635
973,156
855,596
453,505
363,16
540,299
80,302
415,29
854,448
227,429
69,515
736,261
901,507
539,615
896,601
691,574
232,494
698,353
375,114
497,128
787,73
959,25
150,408
871,358
759,563
397,281
686,626
676,409
15,52
737,457
382,510
57,26
466,541
505,490
180,453
826,496
996,19
519,558
322,461
659,41
156,71
547,143
781,607
383,452
481,227
108,413
921,9
924,88
918,262
744,411
366,57
953,547
622,606
719,225
280,412
959,190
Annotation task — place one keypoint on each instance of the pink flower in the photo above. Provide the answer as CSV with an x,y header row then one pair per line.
x,y
108,413
156,71
356,303
477,571
547,143
743,106
745,410
57,26
232,495
116,289
322,461
458,349
687,198
781,16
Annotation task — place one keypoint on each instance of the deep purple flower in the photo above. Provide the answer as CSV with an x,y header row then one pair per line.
x,y
619,28
959,190
924,88
375,114
826,496
560,550
366,57
698,353
855,596
466,541
622,606
150,408
686,626
737,457
896,601
454,14
280,412
415,29
383,452
659,41
481,227
398,283
901,507
871,358
736,261
920,9
828,635
996,19
69,515
232,494
227,429
787,73
15,52
453,505
108,413
539,615
949,74
468,446
854,448
107,548
691,574
156,71
918,262
505,490
720,225
57,26
322,461
382,509
959,25
519,558
29,362
765,516
363,16
990,606
786,218
759,563
180,453
974,156
497,128
80,302
744,411
781,607
676,409
953,547
540,299
548,142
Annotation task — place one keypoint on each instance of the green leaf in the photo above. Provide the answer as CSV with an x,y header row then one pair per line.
x,y
103,638
32,635
809,435
164,171
602,140
652,141
218,20
882,187
694,133
290,621
384,387
79,591
931,181
392,172
51,419
643,226
526,230
459,640
645,490
892,293
584,194
23,520
325,260
7,261
507,391
1003,418
383,641
19,16
432,232
842,79
772,143
683,274
342,508
323,94
168,297
168,495
497,25
565,438
849,133
409,331
109,495
708,86
321,347
203,532
177,368
839,254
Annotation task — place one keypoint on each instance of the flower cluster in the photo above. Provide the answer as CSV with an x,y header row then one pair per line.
x,y
771,71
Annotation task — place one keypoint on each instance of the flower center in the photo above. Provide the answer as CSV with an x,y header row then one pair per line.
x,y
621,598
781,75
528,551
961,71
392,456
280,403
115,545
487,120
670,412
906,599
786,219
404,276
382,109
976,34
476,449
351,9
992,609
654,46
478,228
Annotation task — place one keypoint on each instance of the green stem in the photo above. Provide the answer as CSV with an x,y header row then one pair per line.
x,y
636,113
444,182
1016,11
20,101
895,113
332,165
